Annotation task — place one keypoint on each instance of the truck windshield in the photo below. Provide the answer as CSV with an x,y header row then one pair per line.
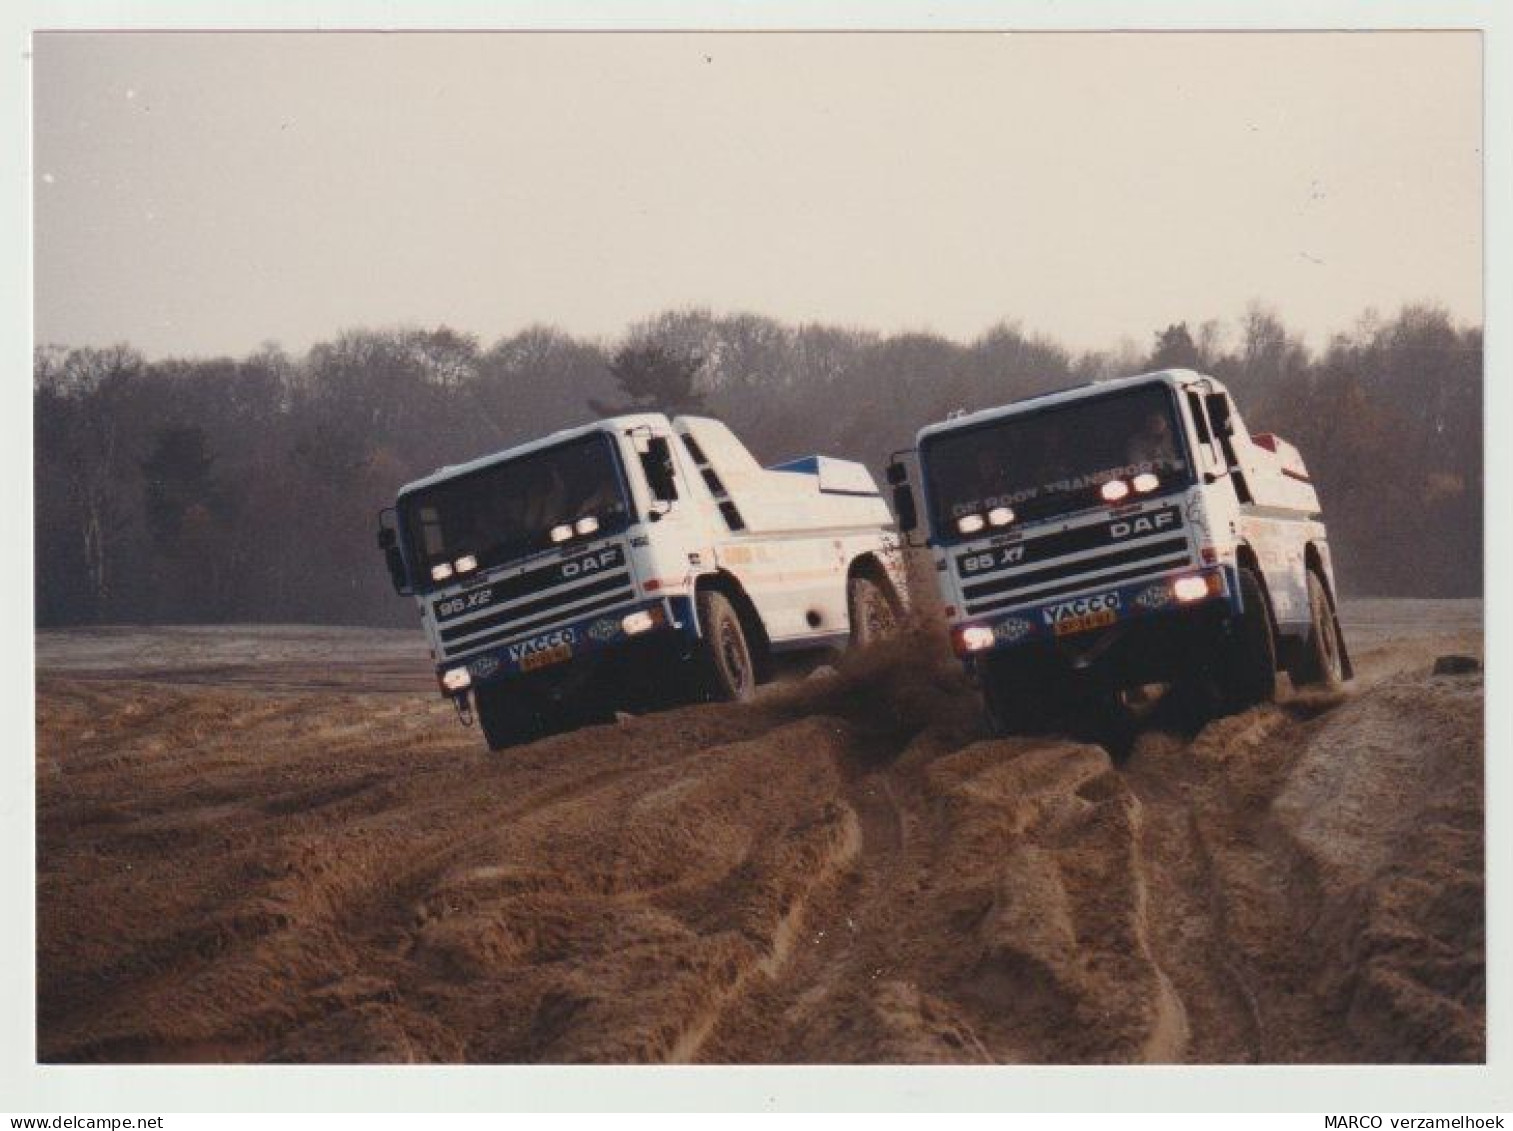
x,y
508,510
1054,461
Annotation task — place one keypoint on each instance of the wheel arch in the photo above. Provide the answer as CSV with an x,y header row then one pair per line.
x,y
1246,556
1313,561
867,564
723,581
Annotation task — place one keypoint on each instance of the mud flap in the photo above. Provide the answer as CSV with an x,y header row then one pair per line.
x,y
1346,667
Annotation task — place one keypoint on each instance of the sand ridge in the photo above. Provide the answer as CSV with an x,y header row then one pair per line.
x,y
275,850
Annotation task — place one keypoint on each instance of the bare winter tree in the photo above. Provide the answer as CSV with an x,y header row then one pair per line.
x,y
246,489
1175,349
655,377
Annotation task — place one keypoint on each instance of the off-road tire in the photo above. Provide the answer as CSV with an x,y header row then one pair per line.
x,y
588,707
873,613
507,717
1014,703
1321,660
1248,666
725,668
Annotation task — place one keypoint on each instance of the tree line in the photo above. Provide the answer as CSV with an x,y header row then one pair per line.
x,y
246,489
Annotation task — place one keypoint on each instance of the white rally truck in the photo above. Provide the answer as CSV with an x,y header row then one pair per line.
x,y
601,565
1095,542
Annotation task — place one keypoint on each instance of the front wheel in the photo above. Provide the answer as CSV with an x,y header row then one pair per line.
x,y
726,670
1015,703
507,717
1321,663
1248,667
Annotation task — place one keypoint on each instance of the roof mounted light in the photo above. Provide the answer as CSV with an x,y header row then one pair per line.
x,y
467,563
1146,482
1000,516
561,533
1114,490
970,523
586,525
441,571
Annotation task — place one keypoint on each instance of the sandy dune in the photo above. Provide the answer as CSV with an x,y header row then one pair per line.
x,y
277,844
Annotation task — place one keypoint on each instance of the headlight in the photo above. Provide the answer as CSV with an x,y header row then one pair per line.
x,y
1196,588
456,679
643,621
974,637
970,523
441,571
1114,490
1000,516
1146,482
586,525
561,533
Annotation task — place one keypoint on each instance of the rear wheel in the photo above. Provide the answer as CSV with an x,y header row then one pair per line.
x,y
507,717
1321,662
1248,669
873,615
726,670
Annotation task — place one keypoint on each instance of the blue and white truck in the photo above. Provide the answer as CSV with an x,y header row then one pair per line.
x,y
1093,542
567,577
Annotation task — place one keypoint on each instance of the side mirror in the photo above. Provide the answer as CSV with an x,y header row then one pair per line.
x,y
396,563
897,473
388,542
903,506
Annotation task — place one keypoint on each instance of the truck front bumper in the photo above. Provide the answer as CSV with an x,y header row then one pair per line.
x,y
575,645
1082,629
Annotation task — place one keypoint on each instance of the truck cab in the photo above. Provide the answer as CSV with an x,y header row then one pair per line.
x,y
1120,534
559,579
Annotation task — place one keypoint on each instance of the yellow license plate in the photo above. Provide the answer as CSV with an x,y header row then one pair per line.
x,y
1085,622
554,655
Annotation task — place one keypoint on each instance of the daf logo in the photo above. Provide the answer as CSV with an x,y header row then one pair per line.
x,y
1142,524
591,563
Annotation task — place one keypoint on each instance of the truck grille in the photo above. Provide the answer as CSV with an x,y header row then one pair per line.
x,y
533,601
1081,558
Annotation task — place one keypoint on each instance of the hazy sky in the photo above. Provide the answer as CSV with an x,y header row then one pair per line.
x,y
203,193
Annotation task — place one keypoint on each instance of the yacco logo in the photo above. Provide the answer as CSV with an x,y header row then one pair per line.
x,y
1098,603
542,642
